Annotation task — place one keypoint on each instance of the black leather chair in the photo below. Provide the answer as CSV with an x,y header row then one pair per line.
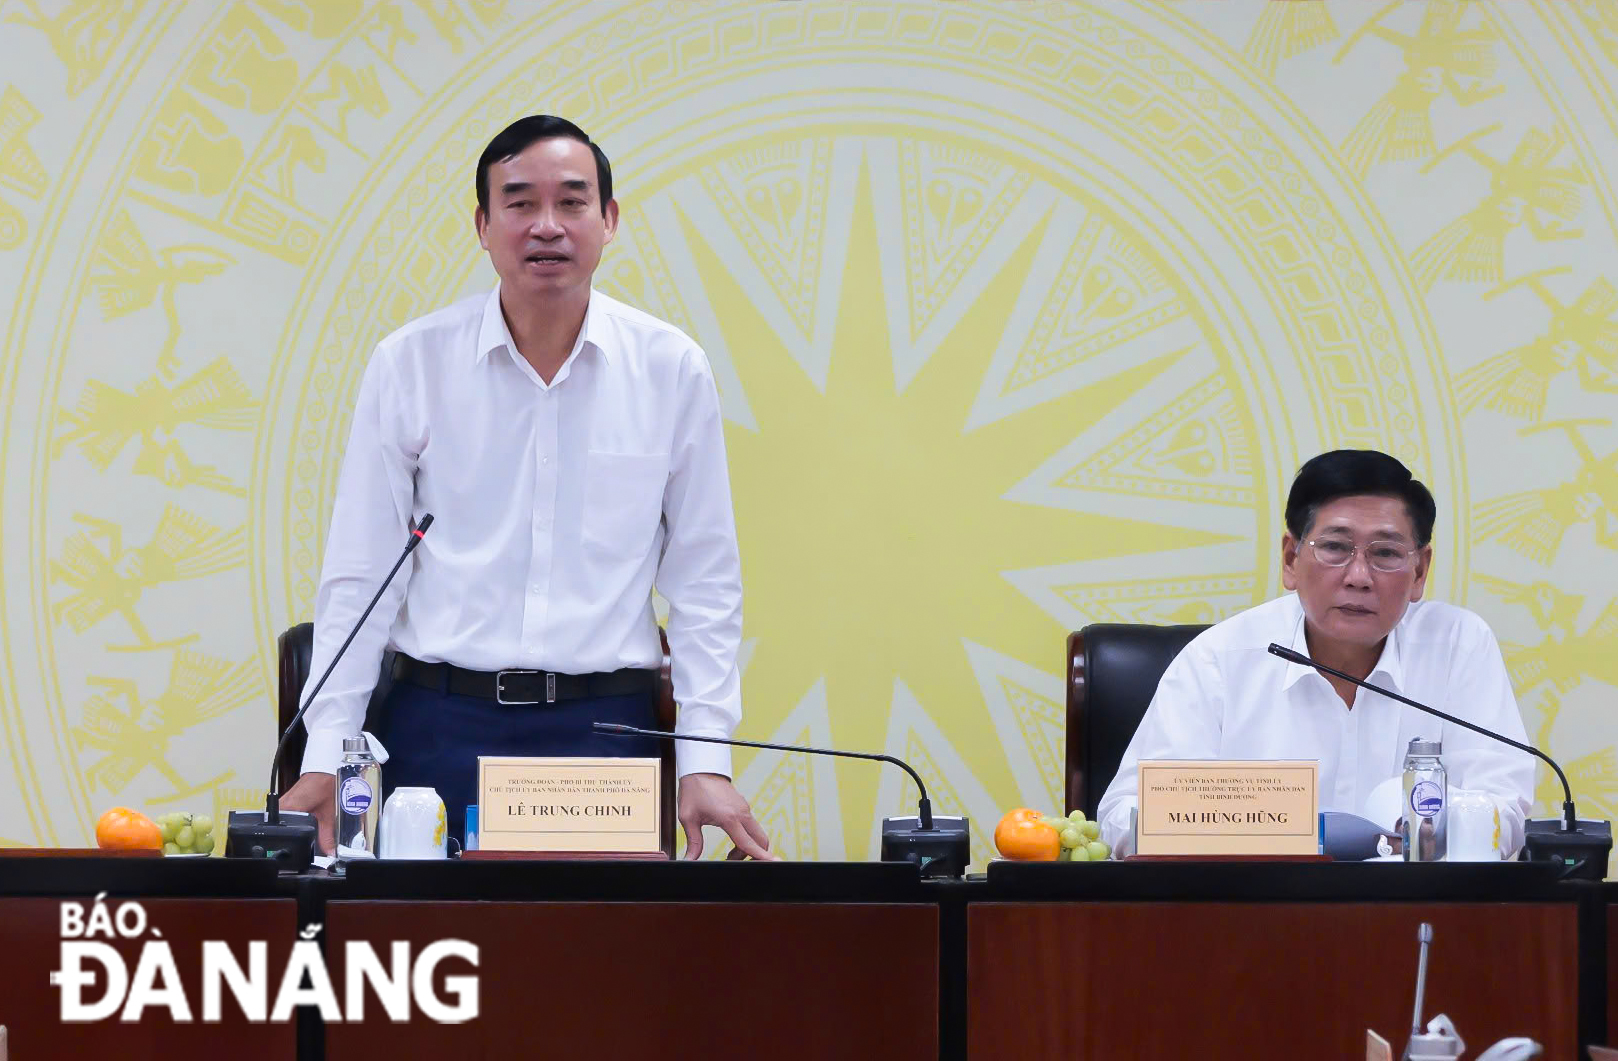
x,y
1112,673
295,646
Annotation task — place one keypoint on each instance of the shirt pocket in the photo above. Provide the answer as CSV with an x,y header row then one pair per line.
x,y
623,502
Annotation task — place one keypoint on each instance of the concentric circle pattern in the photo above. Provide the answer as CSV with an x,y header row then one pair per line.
x,y
1023,317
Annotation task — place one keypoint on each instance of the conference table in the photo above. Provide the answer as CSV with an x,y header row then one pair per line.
x,y
611,959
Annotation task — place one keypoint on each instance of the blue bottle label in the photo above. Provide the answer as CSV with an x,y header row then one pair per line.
x,y
355,795
1426,798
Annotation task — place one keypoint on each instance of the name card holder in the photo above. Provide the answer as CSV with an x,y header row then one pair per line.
x,y
480,855
568,808
1228,810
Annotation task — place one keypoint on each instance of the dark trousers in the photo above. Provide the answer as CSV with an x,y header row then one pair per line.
x,y
434,738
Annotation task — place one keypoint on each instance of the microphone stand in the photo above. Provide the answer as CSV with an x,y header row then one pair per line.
x,y
1582,848
941,847
249,835
1424,936
924,807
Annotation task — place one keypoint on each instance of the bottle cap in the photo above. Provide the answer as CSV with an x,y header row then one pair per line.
x,y
356,744
1424,746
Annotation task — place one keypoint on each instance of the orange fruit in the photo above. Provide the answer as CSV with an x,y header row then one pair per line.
x,y
1024,836
123,828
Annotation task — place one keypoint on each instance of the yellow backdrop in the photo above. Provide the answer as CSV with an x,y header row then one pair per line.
x,y
1023,316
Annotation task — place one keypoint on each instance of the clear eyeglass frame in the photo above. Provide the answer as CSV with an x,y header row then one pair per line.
x,y
1396,554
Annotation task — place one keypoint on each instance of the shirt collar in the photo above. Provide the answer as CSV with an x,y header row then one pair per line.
x,y
494,334
1389,665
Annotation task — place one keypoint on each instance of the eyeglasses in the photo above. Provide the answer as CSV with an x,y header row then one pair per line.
x,y
1387,557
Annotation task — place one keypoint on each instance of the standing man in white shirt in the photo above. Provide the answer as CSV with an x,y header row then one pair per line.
x,y
571,451
1356,553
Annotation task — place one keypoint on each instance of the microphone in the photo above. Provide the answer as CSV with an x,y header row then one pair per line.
x,y
1424,936
1557,841
251,835
942,848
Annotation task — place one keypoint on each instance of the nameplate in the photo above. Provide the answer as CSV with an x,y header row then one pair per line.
x,y
566,803
1228,807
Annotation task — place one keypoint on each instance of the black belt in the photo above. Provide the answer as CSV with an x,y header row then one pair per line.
x,y
523,686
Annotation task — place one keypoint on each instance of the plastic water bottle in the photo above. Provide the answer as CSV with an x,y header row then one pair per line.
x,y
359,801
1426,792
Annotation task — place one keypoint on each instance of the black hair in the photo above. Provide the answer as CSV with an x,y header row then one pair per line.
x,y
520,134
1357,473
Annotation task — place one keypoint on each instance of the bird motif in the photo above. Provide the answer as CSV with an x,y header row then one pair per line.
x,y
111,579
1285,30
1399,126
1533,522
106,418
1582,337
1525,189
126,276
135,735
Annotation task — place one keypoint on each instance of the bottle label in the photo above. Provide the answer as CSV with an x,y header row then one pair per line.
x,y
1426,798
355,795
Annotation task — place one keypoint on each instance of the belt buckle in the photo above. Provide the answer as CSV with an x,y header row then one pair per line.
x,y
500,687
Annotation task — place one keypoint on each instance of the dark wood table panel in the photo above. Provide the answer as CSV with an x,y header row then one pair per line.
x,y
780,981
1238,980
1612,972
30,1007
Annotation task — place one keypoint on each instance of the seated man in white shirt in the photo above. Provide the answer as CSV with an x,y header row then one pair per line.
x,y
1356,554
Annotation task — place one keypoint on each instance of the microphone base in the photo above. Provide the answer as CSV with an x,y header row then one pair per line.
x,y
942,851
1583,854
290,843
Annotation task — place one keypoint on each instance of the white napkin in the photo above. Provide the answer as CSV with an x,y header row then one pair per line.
x,y
1385,804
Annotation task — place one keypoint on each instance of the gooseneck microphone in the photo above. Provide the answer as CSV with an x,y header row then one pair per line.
x,y
924,807
941,848
250,836
1569,821
1424,937
1566,842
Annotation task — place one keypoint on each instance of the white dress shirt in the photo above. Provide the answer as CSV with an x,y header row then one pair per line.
x,y
1227,697
556,508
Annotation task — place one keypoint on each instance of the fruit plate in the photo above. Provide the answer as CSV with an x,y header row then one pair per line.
x,y
190,854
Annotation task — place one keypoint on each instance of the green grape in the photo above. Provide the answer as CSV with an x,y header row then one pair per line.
x,y
171,848
1071,837
202,824
1076,817
204,844
185,837
1091,830
1079,854
1098,851
167,828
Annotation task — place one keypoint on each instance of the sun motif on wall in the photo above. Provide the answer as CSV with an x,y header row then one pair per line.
x,y
876,498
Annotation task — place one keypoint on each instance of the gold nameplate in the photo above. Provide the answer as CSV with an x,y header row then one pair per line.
x,y
564,803
1228,807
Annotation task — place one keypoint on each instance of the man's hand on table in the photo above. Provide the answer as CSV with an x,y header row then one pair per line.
x,y
711,799
316,793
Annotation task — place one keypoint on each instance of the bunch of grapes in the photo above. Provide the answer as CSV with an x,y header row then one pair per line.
x,y
1081,838
186,834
